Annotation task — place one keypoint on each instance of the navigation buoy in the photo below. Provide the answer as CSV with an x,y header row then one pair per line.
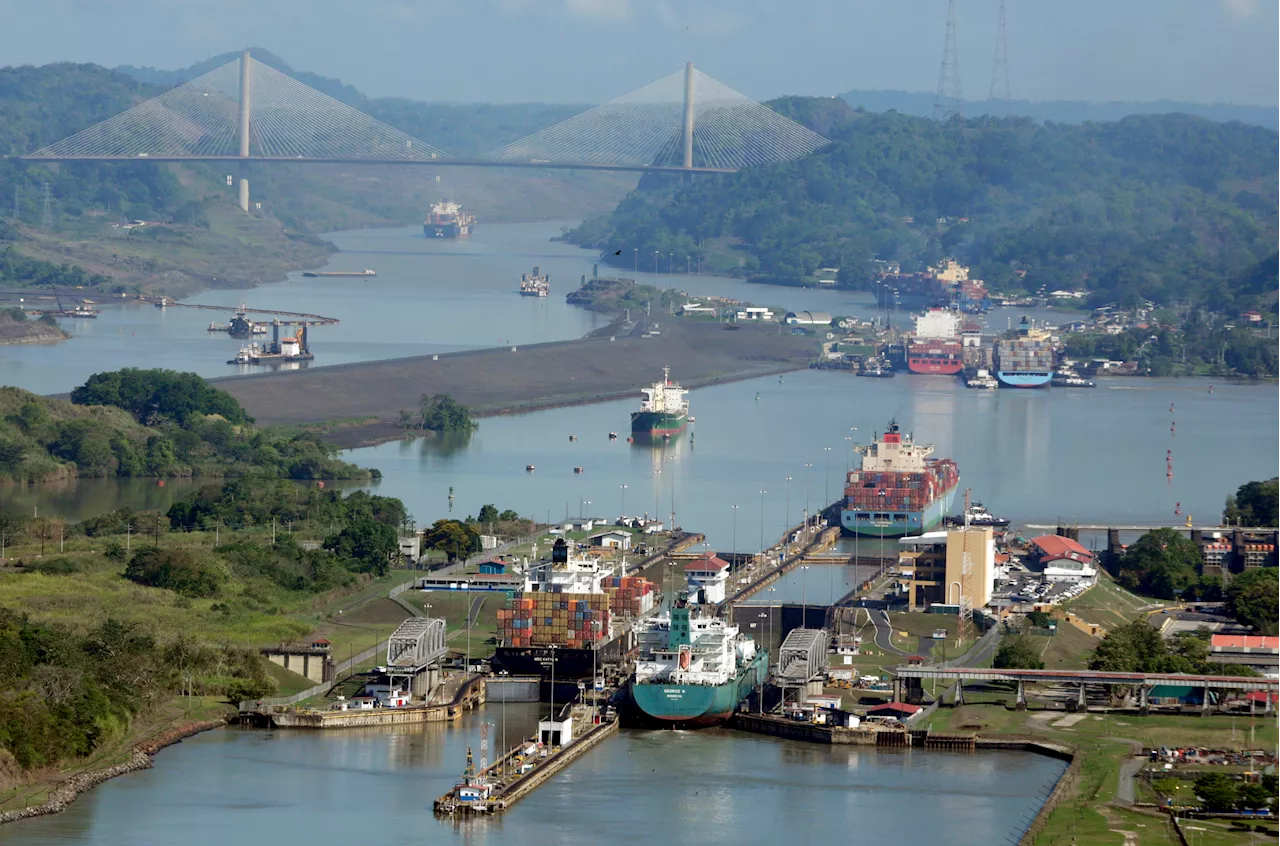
x,y
573,437
613,436
577,470
1171,408
1211,389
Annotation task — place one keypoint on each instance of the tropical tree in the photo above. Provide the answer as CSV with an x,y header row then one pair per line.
x,y
1252,599
1161,563
452,537
1018,652
1254,504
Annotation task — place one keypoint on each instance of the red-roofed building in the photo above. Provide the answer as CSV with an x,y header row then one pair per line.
x,y
1063,559
1260,652
707,576
901,711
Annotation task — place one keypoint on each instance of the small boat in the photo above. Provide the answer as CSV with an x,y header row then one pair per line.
x,y
246,355
573,437
528,468
577,471
693,420
215,326
1068,378
979,516
983,381
613,436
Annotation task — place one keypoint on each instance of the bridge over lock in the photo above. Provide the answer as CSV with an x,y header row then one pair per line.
x,y
247,113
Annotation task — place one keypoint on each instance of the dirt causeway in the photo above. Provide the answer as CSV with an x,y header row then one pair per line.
x,y
498,381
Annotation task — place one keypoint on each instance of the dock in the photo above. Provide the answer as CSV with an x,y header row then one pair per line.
x,y
521,770
295,316
470,695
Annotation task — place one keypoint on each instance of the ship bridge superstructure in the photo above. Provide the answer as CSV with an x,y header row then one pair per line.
x,y
895,451
665,397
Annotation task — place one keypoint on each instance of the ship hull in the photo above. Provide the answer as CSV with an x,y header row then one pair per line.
x,y
934,367
445,230
1027,379
694,705
866,523
570,663
651,423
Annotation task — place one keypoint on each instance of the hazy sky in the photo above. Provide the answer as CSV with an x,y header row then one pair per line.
x,y
587,51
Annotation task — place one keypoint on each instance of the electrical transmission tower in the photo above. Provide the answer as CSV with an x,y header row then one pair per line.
x,y
1000,67
947,102
48,204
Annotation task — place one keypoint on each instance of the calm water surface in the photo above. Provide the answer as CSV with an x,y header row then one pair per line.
x,y
710,787
430,296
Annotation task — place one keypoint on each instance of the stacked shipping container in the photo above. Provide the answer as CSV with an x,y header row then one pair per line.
x,y
896,491
546,618
630,595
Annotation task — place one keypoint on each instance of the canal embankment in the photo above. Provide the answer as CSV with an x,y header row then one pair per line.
x,y
516,379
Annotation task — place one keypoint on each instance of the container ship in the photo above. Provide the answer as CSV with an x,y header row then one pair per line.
x,y
534,284
664,409
448,220
899,490
570,618
1025,361
693,671
936,348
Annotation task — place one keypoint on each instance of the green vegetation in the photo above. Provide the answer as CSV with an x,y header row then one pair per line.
x,y
441,413
154,396
1018,652
1252,599
1161,563
1254,504
1198,342
1163,207
454,538
151,423
64,693
1139,647
19,271
109,633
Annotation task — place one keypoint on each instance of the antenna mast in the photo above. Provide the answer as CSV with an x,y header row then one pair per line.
x,y
1000,67
947,102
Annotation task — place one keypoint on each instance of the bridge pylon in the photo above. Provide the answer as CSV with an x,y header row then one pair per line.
x,y
246,89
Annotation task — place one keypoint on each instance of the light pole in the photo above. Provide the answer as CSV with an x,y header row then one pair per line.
x,y
804,610
655,261
764,616
762,493
657,490
808,465
624,501
734,559
826,481
635,260
786,526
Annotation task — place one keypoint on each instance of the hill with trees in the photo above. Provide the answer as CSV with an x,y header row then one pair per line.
x,y
1158,207
151,423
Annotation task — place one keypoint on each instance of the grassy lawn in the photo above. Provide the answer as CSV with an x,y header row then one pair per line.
x,y
452,606
1103,741
287,681
1107,604
1068,648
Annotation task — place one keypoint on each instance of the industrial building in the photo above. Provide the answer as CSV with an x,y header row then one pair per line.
x,y
1063,559
808,318
948,567
1260,652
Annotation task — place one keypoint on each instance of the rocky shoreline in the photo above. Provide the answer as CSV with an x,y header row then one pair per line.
x,y
141,758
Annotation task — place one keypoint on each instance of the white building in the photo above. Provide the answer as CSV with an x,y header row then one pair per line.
x,y
707,576
699,308
755,313
612,539
411,547
555,732
808,318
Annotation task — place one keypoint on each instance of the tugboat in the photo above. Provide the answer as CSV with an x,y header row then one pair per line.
x,y
876,369
474,794
1065,377
982,381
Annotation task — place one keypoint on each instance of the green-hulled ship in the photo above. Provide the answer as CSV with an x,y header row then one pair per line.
x,y
664,409
693,671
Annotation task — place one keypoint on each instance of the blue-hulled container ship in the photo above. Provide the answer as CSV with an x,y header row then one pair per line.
x,y
1026,360
900,488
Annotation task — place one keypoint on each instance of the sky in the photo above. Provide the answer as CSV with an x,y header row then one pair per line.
x,y
588,51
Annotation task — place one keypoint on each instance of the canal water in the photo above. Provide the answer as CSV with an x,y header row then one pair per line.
x,y
709,787
429,296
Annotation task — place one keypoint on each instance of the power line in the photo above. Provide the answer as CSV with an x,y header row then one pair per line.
x,y
947,102
1000,66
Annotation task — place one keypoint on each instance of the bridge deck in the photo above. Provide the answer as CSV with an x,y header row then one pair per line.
x,y
371,161
1087,677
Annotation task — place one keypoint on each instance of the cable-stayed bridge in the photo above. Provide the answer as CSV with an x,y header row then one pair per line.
x,y
247,112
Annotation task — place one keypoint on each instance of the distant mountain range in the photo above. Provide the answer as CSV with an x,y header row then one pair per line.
x,y
1063,111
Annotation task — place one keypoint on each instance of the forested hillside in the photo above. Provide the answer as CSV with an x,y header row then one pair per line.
x,y
1165,207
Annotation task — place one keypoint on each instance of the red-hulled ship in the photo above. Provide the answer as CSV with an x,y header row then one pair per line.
x,y
936,347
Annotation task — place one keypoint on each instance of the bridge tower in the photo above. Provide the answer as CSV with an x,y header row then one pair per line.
x,y
688,115
244,129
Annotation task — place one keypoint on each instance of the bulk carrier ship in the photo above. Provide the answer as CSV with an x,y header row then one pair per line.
x,y
448,220
935,348
1026,361
664,409
693,670
899,490
572,614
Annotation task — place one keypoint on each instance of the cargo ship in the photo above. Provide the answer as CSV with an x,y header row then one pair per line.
x,y
899,490
693,670
241,326
534,284
570,618
664,409
1025,361
448,220
936,349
